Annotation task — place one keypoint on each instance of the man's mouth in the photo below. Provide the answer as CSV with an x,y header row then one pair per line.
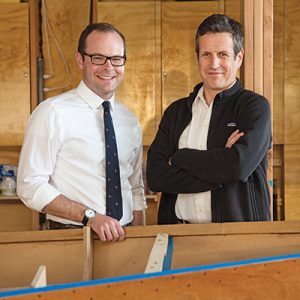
x,y
105,77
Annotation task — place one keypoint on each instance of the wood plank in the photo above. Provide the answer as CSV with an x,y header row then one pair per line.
x,y
41,236
248,23
268,50
214,229
40,278
258,79
34,51
88,254
280,227
158,253
158,65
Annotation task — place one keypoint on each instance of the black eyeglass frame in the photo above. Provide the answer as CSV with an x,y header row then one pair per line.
x,y
106,58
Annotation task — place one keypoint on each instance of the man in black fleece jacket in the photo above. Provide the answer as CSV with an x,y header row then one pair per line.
x,y
209,157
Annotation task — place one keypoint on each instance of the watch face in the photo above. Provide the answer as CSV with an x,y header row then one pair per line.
x,y
90,213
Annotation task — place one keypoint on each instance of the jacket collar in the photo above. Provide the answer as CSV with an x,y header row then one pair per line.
x,y
220,98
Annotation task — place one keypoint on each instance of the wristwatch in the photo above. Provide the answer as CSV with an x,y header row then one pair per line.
x,y
88,214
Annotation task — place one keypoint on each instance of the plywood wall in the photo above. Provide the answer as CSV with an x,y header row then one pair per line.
x,y
66,19
139,91
14,73
291,96
180,21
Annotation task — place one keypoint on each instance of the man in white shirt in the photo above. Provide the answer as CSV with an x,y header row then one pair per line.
x,y
62,163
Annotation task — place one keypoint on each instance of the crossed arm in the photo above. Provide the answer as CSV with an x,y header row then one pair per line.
x,y
193,171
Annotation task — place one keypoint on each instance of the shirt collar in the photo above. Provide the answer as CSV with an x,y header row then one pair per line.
x,y
200,97
92,99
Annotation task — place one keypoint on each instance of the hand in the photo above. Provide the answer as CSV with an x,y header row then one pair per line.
x,y
107,228
234,137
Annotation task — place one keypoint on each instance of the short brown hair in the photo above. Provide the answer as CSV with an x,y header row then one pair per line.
x,y
222,23
102,27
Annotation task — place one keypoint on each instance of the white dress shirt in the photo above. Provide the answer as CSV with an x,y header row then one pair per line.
x,y
64,153
196,208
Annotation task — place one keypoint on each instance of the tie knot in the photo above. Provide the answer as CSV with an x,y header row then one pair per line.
x,y
106,104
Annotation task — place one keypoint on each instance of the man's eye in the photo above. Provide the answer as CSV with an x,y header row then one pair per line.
x,y
117,59
98,58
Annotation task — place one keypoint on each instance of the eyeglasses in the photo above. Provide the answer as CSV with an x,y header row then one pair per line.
x,y
116,61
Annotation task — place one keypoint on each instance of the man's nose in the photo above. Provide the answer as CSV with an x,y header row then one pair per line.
x,y
215,61
108,64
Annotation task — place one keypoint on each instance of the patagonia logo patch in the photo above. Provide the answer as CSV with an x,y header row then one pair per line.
x,y
231,124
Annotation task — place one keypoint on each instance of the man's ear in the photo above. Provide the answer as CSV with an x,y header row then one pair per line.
x,y
79,60
240,56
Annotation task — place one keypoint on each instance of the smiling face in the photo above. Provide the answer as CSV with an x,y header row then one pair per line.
x,y
218,65
102,80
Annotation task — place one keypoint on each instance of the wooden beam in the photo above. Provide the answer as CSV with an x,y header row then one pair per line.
x,y
158,253
258,43
280,227
88,254
248,22
34,51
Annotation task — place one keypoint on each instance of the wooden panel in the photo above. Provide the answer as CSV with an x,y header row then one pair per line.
x,y
67,19
291,108
137,21
15,216
218,249
14,73
278,71
119,259
266,280
180,21
61,251
292,182
292,72
9,155
63,261
233,9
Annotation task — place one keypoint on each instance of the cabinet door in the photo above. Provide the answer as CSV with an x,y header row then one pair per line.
x,y
137,21
14,73
180,21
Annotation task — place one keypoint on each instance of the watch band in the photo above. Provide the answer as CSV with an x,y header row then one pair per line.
x,y
85,220
88,214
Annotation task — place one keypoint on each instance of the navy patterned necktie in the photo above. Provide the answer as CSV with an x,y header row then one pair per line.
x,y
114,207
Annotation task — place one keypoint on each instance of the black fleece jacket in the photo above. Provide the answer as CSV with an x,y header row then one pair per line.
x,y
236,177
